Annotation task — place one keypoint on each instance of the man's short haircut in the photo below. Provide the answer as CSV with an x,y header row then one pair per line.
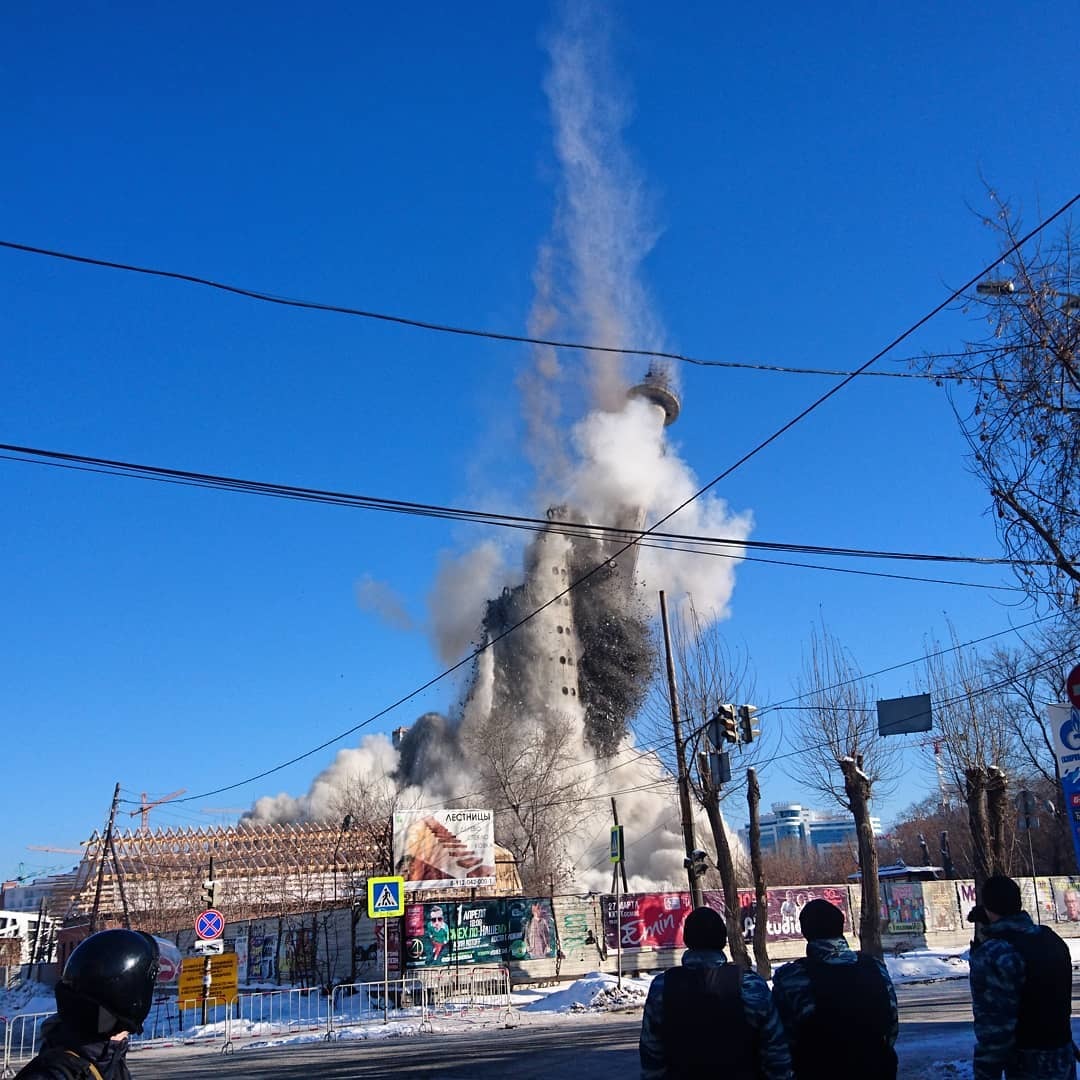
x,y
704,929
1001,895
820,919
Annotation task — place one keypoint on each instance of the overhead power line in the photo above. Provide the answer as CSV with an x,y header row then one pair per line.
x,y
442,328
211,481
753,452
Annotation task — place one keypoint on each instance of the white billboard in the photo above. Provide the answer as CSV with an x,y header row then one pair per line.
x,y
445,849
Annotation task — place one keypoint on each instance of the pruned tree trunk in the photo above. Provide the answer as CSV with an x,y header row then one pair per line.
x,y
975,798
997,809
857,786
757,868
726,865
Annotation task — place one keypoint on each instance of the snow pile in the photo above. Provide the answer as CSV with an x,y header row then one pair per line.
x,y
595,992
27,997
953,1070
928,965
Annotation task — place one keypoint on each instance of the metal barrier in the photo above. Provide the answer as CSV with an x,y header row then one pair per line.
x,y
279,1012
21,1040
466,993
368,1002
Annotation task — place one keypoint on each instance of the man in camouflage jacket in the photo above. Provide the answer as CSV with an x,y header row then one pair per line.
x,y
1021,992
838,1007
714,1018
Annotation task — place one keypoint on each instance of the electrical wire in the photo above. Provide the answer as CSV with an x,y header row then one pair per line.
x,y
581,529
492,335
753,452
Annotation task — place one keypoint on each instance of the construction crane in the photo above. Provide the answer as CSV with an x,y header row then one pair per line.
x,y
145,807
62,850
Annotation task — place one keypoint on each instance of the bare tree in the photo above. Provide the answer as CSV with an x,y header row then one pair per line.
x,y
1033,676
757,867
977,747
843,758
1016,394
534,774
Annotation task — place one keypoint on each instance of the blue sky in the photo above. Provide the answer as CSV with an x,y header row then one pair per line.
x,y
809,175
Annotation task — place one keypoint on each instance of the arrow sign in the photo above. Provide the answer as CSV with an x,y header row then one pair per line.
x,y
386,897
210,924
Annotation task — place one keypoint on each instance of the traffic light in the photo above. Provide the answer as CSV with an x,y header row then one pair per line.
x,y
722,727
695,862
210,888
746,723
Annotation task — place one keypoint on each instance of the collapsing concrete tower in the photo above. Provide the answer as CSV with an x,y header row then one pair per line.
x,y
587,654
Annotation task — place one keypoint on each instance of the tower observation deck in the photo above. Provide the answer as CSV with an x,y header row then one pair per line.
x,y
656,389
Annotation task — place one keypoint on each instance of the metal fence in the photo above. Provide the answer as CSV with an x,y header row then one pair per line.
x,y
21,1038
279,1012
470,994
368,1002
481,993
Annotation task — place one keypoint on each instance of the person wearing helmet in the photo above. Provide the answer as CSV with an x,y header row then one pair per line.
x,y
103,996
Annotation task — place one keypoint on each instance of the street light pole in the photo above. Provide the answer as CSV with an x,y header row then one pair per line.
x,y
1007,287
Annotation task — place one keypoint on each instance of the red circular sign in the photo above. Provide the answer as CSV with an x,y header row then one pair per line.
x,y
1072,686
210,924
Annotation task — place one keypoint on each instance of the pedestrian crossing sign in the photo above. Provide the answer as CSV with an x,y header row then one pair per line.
x,y
385,897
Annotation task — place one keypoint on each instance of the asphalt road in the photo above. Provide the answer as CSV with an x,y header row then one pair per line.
x,y
935,1025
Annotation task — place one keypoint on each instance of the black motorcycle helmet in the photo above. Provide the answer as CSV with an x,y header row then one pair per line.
x,y
108,983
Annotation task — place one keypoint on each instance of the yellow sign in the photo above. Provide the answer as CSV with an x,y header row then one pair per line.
x,y
224,978
385,897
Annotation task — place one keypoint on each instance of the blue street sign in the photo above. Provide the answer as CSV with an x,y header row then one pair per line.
x,y
210,924
385,897
618,850
1065,725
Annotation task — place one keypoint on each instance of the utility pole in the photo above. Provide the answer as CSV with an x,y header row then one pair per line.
x,y
106,845
684,779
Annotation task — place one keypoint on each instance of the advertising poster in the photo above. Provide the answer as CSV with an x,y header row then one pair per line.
x,y
262,956
655,920
905,908
1066,893
445,849
238,943
940,905
649,920
785,906
479,932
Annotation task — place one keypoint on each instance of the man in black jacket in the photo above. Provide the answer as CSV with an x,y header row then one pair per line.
x,y
104,994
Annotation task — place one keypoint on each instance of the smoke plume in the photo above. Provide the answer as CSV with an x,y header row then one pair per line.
x,y
541,731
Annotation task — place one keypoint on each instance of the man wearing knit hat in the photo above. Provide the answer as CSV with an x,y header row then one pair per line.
x,y
837,1006
710,1017
1021,992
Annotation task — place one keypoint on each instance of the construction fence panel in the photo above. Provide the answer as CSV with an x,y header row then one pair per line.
x,y
376,1002
270,1013
22,1037
468,994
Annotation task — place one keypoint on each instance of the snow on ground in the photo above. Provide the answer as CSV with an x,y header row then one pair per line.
x,y
28,997
928,965
595,992
946,1056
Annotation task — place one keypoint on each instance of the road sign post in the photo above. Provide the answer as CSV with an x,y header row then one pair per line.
x,y
618,851
386,900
